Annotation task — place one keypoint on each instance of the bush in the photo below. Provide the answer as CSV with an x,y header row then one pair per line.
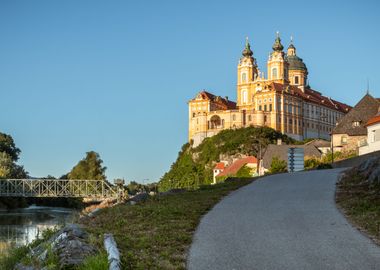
x,y
324,166
312,163
278,165
245,171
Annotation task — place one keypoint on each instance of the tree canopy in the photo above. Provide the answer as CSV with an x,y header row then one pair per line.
x,y
89,168
8,146
9,154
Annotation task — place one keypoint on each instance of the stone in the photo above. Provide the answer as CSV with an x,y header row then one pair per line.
x,y
139,197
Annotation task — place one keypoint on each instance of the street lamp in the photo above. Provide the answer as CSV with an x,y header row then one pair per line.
x,y
332,148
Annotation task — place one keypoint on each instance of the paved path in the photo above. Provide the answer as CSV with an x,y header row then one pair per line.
x,y
286,221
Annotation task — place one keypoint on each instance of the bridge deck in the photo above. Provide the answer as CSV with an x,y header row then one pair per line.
x,y
56,188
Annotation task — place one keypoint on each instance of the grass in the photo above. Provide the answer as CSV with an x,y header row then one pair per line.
x,y
157,234
360,202
97,262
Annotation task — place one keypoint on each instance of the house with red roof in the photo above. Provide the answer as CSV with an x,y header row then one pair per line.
x,y
223,170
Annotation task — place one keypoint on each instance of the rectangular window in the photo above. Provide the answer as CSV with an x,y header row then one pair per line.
x,y
270,107
260,108
265,107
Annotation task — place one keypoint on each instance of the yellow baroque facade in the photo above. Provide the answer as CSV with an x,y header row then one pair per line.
x,y
281,100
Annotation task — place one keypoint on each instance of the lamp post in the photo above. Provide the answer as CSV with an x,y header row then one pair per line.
x,y
332,147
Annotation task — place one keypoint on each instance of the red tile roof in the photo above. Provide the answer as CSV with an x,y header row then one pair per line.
x,y
373,120
230,105
313,96
219,166
236,166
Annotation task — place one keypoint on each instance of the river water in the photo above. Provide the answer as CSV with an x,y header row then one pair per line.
x,y
21,226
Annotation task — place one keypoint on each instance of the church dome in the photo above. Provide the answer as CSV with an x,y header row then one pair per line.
x,y
295,63
247,52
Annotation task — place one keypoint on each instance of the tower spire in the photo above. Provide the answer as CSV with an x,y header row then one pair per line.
x,y
367,86
247,52
277,46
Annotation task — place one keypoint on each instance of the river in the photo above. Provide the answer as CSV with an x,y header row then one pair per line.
x,y
21,226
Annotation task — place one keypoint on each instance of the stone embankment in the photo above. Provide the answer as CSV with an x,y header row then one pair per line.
x,y
70,244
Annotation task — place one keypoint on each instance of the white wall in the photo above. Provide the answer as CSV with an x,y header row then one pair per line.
x,y
373,140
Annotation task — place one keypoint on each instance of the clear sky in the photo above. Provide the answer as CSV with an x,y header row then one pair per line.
x,y
115,76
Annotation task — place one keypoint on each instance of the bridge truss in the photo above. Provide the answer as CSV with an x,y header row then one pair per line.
x,y
56,188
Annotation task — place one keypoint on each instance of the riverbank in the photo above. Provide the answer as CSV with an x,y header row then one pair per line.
x,y
157,233
21,226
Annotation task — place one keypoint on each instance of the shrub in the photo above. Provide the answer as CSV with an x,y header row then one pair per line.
x,y
312,163
278,165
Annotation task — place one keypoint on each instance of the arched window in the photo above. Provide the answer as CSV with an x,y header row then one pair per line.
x,y
274,73
244,77
296,80
244,96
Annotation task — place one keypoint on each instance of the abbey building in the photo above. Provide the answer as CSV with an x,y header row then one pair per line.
x,y
282,100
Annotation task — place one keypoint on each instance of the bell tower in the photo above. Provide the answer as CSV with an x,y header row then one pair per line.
x,y
297,68
247,73
277,65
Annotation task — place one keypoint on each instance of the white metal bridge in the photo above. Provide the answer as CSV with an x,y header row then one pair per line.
x,y
50,188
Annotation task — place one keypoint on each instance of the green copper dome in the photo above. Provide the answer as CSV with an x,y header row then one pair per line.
x,y
247,50
277,46
295,63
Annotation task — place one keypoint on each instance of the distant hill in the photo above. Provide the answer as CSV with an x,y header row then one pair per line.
x,y
194,166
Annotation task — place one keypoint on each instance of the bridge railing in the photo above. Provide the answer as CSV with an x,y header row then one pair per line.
x,y
56,188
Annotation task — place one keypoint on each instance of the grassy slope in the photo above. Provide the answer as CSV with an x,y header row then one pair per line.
x,y
157,234
360,202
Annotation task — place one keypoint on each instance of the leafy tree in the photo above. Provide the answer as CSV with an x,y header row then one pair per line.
x,y
8,146
278,165
9,169
89,168
6,164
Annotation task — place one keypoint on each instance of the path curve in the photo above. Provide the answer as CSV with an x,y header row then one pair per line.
x,y
285,221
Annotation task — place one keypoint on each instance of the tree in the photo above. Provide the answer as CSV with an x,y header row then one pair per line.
x,y
278,165
9,169
8,146
89,168
6,164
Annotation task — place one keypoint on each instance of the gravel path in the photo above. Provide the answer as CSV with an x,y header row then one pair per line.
x,y
286,221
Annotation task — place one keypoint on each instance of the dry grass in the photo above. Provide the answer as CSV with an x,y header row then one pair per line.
x,y
360,202
157,234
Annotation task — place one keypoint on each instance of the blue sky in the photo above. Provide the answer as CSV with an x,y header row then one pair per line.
x,y
115,76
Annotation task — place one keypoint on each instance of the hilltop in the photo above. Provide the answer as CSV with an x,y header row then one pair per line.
x,y
193,166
